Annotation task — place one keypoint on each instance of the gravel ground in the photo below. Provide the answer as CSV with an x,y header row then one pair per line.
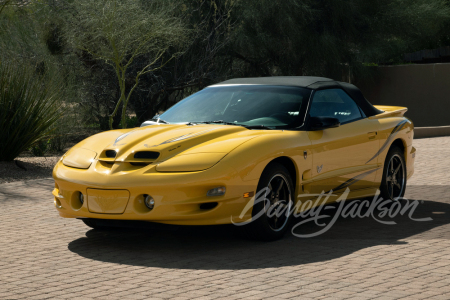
x,y
36,167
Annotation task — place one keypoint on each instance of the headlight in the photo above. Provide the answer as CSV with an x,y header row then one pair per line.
x,y
190,162
79,158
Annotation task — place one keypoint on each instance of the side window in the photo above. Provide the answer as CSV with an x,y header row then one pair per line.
x,y
334,103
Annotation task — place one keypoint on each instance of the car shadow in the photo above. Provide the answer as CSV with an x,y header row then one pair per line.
x,y
222,247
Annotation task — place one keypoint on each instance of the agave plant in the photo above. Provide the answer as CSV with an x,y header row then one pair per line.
x,y
29,107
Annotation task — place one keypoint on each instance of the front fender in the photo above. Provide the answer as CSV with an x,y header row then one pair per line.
x,y
250,159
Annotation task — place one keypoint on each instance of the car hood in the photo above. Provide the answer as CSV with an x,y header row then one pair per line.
x,y
167,140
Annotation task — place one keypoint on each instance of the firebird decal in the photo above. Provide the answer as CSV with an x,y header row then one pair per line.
x,y
175,148
121,138
181,138
389,139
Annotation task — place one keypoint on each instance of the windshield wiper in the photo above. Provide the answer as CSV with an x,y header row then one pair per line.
x,y
217,122
235,124
257,127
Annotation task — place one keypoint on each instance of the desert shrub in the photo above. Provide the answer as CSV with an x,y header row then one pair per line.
x,y
40,148
29,107
58,142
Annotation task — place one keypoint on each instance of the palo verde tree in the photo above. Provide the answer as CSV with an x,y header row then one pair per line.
x,y
202,62
129,35
20,34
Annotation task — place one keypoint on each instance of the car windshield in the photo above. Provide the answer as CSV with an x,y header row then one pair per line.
x,y
248,105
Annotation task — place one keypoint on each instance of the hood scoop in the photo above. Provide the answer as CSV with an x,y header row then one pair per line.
x,y
134,157
146,155
110,153
132,162
147,145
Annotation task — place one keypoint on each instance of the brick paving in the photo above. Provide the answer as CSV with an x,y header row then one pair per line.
x,y
45,256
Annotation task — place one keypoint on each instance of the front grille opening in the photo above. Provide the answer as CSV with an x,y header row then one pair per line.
x,y
209,205
146,155
110,153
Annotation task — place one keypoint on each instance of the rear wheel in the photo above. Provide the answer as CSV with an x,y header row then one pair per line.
x,y
271,211
393,184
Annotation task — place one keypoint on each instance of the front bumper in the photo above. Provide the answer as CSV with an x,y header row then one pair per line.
x,y
178,195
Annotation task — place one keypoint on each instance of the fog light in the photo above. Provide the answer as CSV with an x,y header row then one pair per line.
x,y
218,191
81,198
149,201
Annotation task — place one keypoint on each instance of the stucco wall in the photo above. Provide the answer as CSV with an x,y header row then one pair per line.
x,y
424,89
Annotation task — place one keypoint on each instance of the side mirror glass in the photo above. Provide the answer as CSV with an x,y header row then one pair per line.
x,y
320,123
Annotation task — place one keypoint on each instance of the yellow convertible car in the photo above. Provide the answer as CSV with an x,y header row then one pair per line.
x,y
213,156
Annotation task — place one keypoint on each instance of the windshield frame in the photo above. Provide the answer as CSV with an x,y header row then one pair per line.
x,y
298,123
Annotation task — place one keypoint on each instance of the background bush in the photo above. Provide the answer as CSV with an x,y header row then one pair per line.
x,y
29,107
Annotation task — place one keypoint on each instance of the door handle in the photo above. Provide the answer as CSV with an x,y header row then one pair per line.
x,y
372,135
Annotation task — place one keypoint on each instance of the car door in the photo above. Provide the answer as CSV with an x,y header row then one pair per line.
x,y
341,155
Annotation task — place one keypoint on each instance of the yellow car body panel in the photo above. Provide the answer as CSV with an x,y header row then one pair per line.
x,y
178,166
194,159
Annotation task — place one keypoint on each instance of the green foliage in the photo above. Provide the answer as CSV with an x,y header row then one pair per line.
x,y
121,32
204,60
131,122
28,109
59,139
53,39
20,34
40,148
330,38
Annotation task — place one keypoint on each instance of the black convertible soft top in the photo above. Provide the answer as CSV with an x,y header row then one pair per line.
x,y
314,83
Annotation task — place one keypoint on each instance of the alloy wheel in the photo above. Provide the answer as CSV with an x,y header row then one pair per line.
x,y
395,177
279,202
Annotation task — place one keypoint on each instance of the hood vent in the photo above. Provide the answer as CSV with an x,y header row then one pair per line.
x,y
110,153
146,155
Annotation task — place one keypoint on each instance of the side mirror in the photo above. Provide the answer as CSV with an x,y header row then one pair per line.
x,y
320,123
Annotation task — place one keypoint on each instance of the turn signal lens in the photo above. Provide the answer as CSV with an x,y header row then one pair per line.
x,y
249,194
218,191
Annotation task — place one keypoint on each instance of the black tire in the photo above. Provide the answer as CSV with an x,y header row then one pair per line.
x,y
393,183
94,224
264,227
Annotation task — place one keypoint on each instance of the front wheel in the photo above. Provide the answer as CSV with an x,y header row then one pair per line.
x,y
393,184
272,209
